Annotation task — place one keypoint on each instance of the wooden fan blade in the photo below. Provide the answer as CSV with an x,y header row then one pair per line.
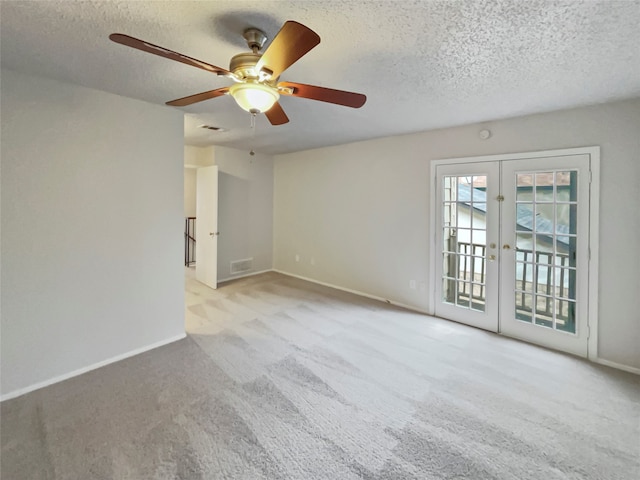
x,y
290,44
163,52
339,97
198,97
276,115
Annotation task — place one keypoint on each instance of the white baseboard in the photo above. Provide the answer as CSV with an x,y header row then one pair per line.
x,y
355,292
80,371
619,366
250,274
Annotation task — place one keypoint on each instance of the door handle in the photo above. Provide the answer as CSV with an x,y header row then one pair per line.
x,y
506,246
213,234
492,258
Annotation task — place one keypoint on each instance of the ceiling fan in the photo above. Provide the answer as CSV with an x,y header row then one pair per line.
x,y
256,88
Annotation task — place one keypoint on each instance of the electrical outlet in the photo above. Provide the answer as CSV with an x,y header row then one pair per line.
x,y
423,287
412,284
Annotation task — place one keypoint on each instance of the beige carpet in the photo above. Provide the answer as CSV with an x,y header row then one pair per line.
x,y
283,379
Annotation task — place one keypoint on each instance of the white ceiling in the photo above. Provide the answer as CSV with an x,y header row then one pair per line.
x,y
422,64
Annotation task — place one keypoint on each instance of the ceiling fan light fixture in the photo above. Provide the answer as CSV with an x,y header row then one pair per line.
x,y
254,97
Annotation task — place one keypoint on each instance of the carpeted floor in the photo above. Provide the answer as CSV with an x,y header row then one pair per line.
x,y
283,379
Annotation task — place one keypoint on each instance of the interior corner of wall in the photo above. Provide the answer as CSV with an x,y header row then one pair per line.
x,y
208,156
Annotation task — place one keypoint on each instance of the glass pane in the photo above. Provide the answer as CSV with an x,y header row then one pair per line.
x,y
524,217
448,183
464,267
464,189
481,207
544,320
523,306
544,218
567,186
524,180
566,218
562,244
479,241
464,235
561,259
478,264
478,300
544,187
524,241
479,219
448,214
448,264
564,279
544,281
450,240
448,290
464,248
480,182
544,258
562,217
524,276
449,189
463,215
524,187
464,288
544,243
571,253
479,250
566,316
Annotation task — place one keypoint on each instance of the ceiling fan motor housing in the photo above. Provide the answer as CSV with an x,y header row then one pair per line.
x,y
243,66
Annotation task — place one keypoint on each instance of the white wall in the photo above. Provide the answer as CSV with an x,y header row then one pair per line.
x,y
245,209
245,205
91,228
361,211
194,157
198,156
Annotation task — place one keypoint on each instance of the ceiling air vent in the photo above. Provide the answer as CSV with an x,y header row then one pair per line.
x,y
241,266
215,129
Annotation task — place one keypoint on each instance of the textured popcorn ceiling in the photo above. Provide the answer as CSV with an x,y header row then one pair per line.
x,y
422,64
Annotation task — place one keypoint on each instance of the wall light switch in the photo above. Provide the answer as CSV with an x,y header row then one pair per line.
x,y
297,257
412,284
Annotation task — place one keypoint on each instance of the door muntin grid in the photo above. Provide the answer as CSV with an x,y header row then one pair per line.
x,y
464,269
546,241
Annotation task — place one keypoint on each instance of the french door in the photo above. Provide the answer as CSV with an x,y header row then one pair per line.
x,y
512,239
467,270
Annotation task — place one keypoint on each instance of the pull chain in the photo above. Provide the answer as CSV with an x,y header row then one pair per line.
x,y
253,133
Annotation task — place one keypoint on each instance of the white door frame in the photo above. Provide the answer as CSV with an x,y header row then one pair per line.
x,y
594,226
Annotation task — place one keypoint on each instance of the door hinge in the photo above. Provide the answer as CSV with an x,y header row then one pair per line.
x,y
500,198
